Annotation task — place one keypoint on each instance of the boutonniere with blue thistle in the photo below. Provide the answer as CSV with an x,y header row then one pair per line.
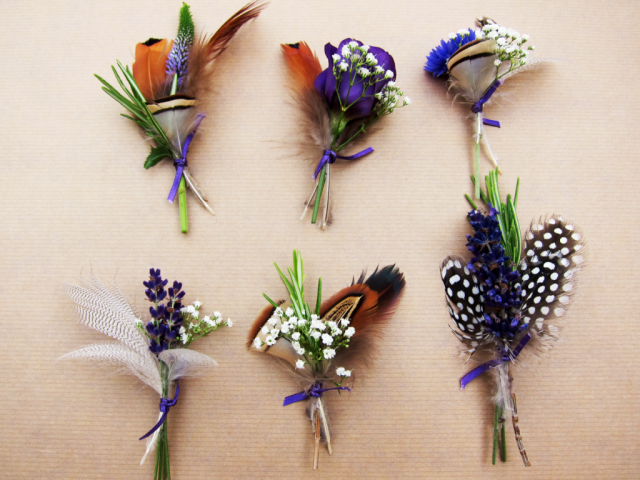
x,y
316,345
156,352
162,94
476,63
339,104
507,298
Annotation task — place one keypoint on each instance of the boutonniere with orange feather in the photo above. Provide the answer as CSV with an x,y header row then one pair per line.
x,y
339,103
316,345
162,92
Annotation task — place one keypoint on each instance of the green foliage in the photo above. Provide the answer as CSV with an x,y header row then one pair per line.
x,y
186,29
156,154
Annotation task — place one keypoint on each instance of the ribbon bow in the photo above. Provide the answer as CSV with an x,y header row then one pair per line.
x,y
316,390
181,163
477,107
464,381
165,406
330,156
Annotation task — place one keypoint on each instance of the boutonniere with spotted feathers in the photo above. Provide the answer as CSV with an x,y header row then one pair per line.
x,y
163,90
506,300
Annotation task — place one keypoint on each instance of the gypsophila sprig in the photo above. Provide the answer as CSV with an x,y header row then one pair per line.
x,y
506,296
162,92
156,352
355,91
476,64
313,341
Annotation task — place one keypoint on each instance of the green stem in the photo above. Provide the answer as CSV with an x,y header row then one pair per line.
x,y
319,298
477,169
182,204
495,434
503,446
319,194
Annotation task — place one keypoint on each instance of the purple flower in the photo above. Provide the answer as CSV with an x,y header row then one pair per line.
x,y
165,326
440,55
354,77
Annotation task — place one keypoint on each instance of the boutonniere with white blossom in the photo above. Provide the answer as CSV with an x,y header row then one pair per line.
x,y
506,300
317,345
156,351
476,63
339,104
162,94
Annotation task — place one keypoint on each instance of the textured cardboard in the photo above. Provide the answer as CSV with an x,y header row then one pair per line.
x,y
75,198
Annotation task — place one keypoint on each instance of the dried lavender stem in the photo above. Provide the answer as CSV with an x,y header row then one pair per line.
x,y
476,167
316,452
325,425
326,200
516,429
306,205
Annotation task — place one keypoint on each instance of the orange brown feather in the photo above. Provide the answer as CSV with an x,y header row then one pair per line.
x,y
149,67
303,64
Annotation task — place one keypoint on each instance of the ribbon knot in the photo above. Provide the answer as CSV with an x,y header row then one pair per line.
x,y
464,381
329,156
315,390
181,163
165,406
477,107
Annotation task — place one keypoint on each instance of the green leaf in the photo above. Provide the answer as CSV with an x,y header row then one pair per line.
x,y
275,305
156,154
186,28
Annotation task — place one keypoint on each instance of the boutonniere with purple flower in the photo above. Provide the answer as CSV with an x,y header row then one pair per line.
x,y
156,351
476,63
506,300
317,344
339,103
162,94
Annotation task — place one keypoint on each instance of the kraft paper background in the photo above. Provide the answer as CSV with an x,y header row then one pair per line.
x,y
75,198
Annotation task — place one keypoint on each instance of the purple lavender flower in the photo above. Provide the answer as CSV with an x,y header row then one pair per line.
x,y
354,76
166,319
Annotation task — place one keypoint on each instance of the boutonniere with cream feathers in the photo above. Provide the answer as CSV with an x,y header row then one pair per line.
x,y
156,352
339,103
506,300
162,94
476,63
316,345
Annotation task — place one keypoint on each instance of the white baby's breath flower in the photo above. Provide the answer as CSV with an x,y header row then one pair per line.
x,y
217,314
349,332
327,339
479,34
273,321
525,37
501,41
378,96
197,304
218,320
265,330
270,340
278,312
502,31
353,44
289,312
284,328
343,66
406,101
229,323
532,47
344,322
340,371
486,28
346,52
314,317
182,330
336,332
364,72
332,324
274,332
336,57
492,34
463,31
316,334
296,336
497,62
452,36
378,69
365,48
388,74
299,364
329,353
191,309
257,343
371,59
302,322
185,338
347,373
391,84
195,314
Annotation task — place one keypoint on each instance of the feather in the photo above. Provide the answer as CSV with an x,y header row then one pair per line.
x,y
368,305
185,363
303,65
177,123
282,348
143,366
149,67
206,49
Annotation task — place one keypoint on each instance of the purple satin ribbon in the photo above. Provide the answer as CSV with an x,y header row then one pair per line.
x,y
165,406
464,381
330,156
316,390
477,107
181,163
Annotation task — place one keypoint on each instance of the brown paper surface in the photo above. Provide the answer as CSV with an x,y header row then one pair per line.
x,y
75,197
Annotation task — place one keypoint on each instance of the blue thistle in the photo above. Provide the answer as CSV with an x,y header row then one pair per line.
x,y
440,55
179,56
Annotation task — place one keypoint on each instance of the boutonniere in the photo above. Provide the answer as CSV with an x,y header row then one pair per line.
x,y
476,63
156,351
162,94
339,103
507,298
316,345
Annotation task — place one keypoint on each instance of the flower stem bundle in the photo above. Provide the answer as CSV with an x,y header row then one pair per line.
x,y
156,352
318,342
509,295
161,93
339,104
